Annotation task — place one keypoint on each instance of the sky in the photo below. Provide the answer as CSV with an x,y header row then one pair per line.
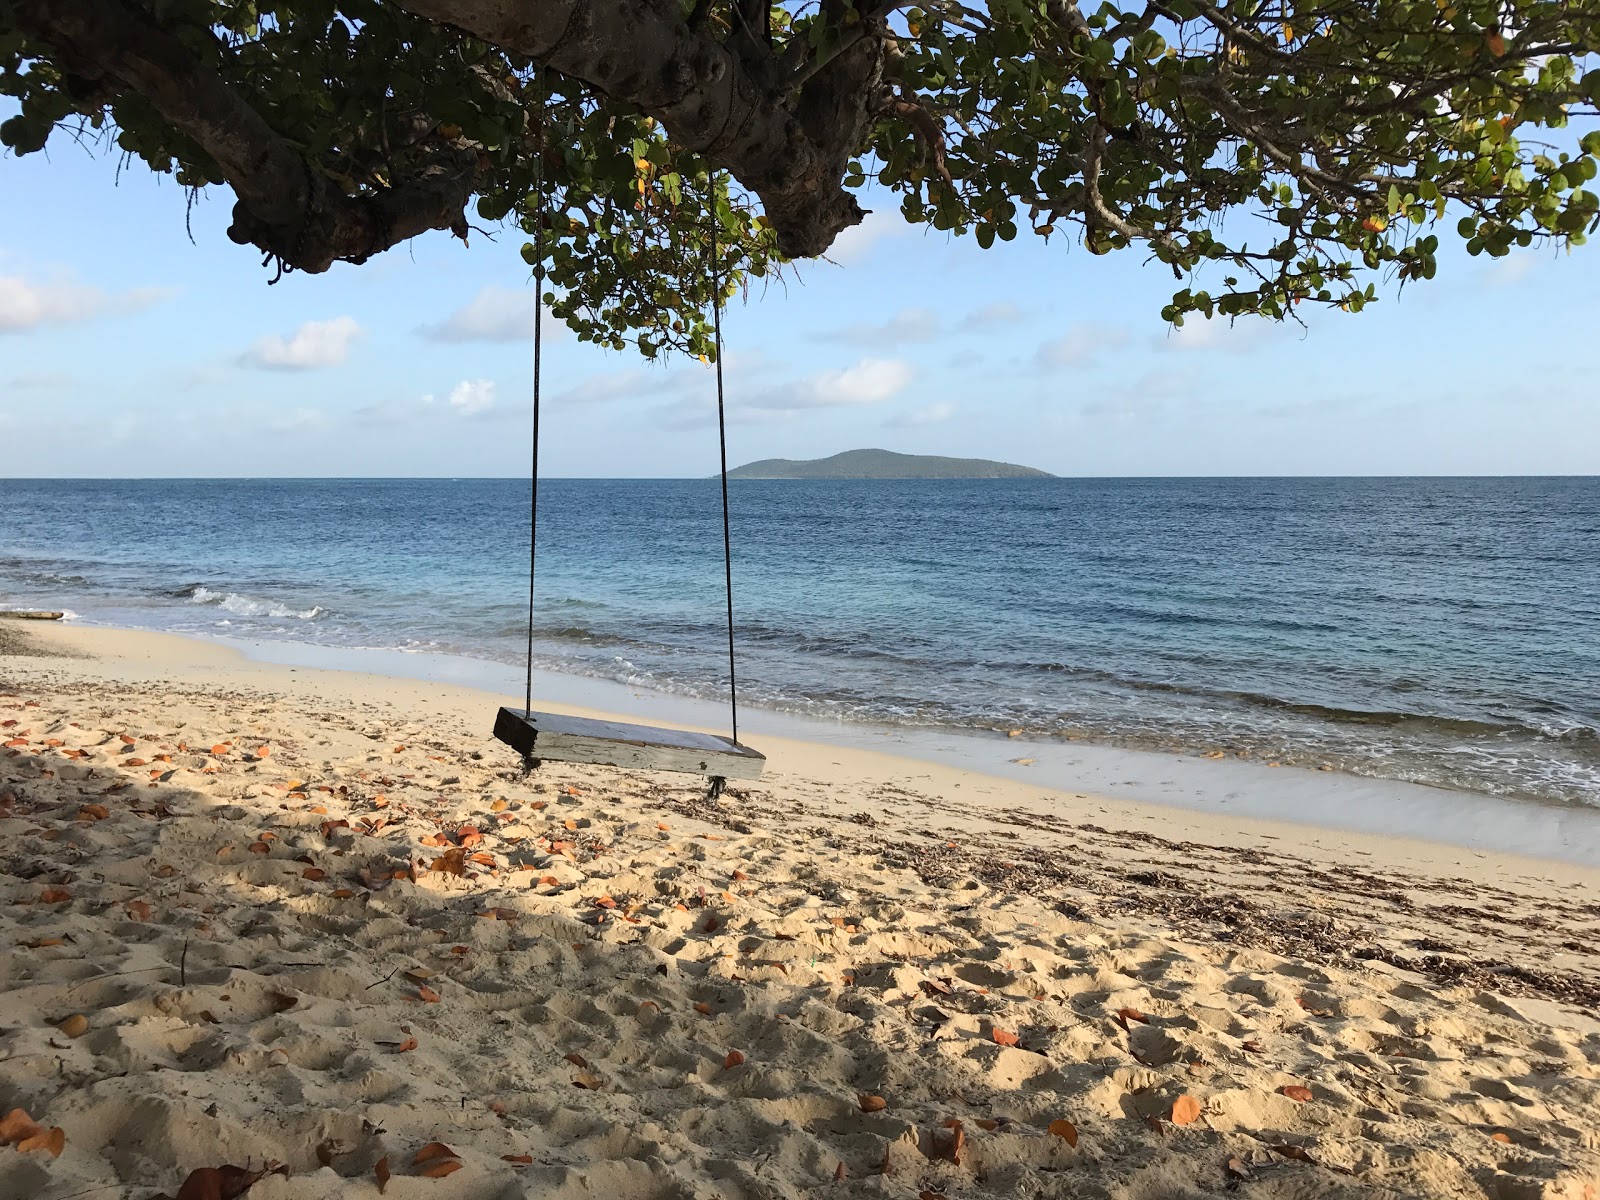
x,y
128,349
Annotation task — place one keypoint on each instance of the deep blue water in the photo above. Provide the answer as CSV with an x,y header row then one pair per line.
x,y
1444,631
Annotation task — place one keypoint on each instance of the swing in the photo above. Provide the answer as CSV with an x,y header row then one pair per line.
x,y
540,736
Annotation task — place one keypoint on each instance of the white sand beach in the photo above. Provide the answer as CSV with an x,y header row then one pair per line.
x,y
317,926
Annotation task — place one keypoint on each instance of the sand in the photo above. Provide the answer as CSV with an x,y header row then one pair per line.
x,y
308,923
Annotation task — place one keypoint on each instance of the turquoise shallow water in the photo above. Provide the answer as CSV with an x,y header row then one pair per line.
x,y
1442,631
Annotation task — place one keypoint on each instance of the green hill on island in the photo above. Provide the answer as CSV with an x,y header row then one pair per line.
x,y
884,464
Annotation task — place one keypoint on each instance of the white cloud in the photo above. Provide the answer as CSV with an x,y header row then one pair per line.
x,y
870,381
1078,346
615,385
472,397
298,420
59,300
932,414
907,325
991,315
1511,269
1216,333
495,314
39,381
856,243
314,344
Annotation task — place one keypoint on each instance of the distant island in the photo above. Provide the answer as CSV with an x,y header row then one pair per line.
x,y
884,464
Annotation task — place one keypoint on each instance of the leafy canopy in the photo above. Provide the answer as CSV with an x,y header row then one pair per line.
x,y
1267,152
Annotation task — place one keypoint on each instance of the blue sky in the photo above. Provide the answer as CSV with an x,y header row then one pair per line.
x,y
127,350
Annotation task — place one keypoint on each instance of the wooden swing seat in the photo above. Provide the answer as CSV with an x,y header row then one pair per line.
x,y
549,737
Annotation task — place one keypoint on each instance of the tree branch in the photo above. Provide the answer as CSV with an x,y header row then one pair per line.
x,y
643,52
283,206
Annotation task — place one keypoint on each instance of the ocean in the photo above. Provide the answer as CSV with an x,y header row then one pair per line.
x,y
1439,631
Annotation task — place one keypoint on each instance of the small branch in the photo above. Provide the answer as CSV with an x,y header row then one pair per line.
x,y
928,130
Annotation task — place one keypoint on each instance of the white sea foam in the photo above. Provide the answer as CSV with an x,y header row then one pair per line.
x,y
248,606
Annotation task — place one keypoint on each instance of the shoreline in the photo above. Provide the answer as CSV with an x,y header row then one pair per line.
x,y
1230,788
317,920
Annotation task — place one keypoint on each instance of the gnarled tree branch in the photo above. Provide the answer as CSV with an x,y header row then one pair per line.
x,y
790,152
283,206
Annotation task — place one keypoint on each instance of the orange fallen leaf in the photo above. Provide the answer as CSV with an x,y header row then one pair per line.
x,y
439,1170
586,1081
217,1183
219,749
427,994
1296,1092
93,812
1004,1037
520,1159
870,1103
43,943
74,1026
1500,1136
54,895
1185,1110
1065,1130
432,1151
701,1007
139,910
577,1059
663,826
314,874
740,876
1125,1015
734,1059
342,893
605,902
381,1170
549,881
397,750
259,848
499,806
948,1141
451,862
17,1125
55,1141
406,1047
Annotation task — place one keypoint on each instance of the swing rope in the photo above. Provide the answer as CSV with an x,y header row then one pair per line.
x,y
722,432
538,373
722,443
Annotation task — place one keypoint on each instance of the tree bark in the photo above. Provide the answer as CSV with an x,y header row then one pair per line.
x,y
643,52
283,207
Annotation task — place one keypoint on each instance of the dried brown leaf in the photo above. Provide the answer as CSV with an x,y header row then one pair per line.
x,y
1065,1130
381,1170
1185,1110
1004,1037
870,1103
17,1125
1296,1092
734,1059
432,1151
74,1026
